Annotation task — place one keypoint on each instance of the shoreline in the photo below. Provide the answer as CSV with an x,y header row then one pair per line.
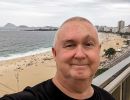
x,y
29,53
16,74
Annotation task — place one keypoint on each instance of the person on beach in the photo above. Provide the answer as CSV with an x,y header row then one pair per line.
x,y
76,50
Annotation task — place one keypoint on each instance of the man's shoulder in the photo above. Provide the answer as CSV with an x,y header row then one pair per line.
x,y
40,86
101,93
29,93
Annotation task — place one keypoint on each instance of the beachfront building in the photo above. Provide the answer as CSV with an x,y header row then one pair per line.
x,y
104,29
114,29
121,28
107,29
100,28
126,29
121,25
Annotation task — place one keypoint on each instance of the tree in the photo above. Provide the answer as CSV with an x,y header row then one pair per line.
x,y
110,52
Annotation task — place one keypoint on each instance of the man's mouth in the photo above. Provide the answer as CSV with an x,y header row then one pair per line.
x,y
80,65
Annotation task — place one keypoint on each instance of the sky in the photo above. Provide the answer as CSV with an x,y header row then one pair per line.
x,y
55,12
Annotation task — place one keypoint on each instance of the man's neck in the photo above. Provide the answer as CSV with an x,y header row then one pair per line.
x,y
77,89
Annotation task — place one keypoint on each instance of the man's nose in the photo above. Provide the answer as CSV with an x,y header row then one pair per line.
x,y
80,52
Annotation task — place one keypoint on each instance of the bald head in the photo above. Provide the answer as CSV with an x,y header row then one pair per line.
x,y
80,19
73,19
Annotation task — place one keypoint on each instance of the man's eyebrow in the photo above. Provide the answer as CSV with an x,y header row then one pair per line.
x,y
88,37
68,41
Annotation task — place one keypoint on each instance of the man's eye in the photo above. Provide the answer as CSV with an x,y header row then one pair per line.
x,y
90,44
69,45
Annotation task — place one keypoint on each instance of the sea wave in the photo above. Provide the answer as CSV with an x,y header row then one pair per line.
x,y
17,55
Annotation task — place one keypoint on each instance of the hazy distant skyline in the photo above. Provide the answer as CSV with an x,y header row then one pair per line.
x,y
54,12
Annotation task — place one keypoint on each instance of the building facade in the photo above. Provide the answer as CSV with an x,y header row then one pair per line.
x,y
121,25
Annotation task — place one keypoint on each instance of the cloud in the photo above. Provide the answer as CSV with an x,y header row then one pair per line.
x,y
53,12
114,1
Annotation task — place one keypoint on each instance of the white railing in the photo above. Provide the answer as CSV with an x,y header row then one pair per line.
x,y
114,80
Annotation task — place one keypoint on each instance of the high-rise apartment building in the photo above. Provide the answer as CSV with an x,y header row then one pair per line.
x,y
121,25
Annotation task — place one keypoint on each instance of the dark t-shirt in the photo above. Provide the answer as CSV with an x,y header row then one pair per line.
x,y
48,91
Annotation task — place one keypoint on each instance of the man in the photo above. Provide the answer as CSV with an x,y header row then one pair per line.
x,y
76,51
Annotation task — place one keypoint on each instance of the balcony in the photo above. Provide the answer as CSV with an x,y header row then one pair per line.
x,y
116,80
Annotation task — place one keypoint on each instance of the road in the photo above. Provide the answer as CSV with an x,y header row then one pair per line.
x,y
117,58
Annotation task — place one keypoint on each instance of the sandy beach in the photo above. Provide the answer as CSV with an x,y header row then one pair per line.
x,y
26,71
18,73
112,41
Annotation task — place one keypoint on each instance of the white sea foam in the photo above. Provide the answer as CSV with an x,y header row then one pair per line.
x,y
37,51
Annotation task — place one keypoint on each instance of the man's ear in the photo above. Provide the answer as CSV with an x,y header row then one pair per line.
x,y
53,51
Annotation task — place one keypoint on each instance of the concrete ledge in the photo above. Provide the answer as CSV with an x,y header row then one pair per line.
x,y
117,81
105,78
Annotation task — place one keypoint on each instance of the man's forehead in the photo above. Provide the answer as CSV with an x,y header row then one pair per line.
x,y
85,38
72,28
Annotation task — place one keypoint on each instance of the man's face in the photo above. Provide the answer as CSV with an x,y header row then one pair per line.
x,y
77,51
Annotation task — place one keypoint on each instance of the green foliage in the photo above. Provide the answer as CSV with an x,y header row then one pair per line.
x,y
110,52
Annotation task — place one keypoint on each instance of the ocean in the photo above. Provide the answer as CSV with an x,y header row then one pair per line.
x,y
15,44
